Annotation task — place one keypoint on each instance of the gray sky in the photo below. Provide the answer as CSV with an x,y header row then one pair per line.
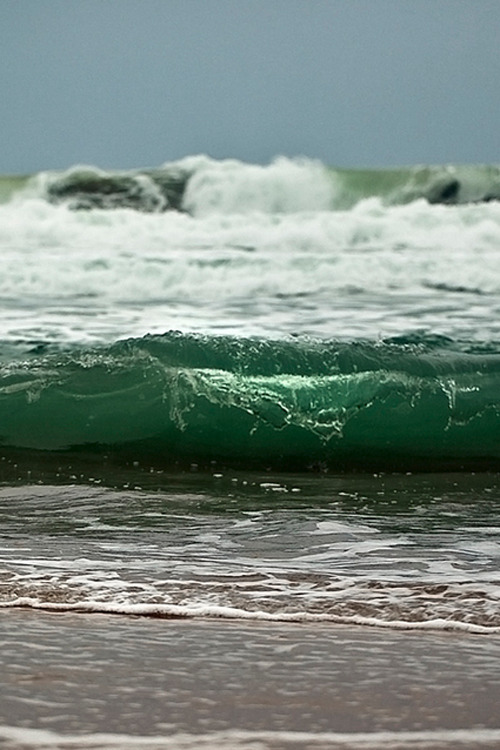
x,y
129,83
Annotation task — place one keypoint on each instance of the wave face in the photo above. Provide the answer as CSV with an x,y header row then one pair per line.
x,y
201,186
293,403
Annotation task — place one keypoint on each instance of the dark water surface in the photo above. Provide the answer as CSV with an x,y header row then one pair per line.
x,y
396,550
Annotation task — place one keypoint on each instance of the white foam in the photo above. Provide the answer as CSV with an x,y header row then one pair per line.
x,y
100,275
232,739
233,187
234,613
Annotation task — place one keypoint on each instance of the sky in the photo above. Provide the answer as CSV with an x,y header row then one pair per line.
x,y
353,83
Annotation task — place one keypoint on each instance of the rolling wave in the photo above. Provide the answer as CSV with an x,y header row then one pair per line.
x,y
293,403
200,185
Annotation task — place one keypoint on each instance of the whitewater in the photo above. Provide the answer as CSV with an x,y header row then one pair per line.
x,y
255,250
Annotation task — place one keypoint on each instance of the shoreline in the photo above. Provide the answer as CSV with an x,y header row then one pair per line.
x,y
95,680
225,614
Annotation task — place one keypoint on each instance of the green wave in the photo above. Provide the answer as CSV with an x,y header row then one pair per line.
x,y
293,403
10,184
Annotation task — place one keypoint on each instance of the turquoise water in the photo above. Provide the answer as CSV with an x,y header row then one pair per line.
x,y
292,403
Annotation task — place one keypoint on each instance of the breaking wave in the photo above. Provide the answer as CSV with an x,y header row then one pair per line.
x,y
295,402
200,185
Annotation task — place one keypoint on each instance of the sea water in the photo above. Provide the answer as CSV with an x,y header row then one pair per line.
x,y
253,394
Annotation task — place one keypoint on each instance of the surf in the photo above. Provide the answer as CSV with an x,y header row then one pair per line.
x,y
200,185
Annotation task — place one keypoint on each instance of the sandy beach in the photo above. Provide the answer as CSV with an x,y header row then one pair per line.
x,y
77,680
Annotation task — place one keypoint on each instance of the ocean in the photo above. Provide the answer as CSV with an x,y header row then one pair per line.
x,y
250,456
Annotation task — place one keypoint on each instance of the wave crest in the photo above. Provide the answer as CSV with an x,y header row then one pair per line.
x,y
202,186
293,403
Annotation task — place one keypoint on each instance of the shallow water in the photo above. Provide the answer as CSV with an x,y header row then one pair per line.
x,y
233,685
401,551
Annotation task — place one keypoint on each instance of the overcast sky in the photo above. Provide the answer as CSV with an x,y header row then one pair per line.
x,y
128,83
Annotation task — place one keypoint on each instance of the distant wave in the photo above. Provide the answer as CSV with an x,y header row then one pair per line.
x,y
200,185
294,403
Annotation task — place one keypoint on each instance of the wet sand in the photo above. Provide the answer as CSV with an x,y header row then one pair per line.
x,y
90,680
